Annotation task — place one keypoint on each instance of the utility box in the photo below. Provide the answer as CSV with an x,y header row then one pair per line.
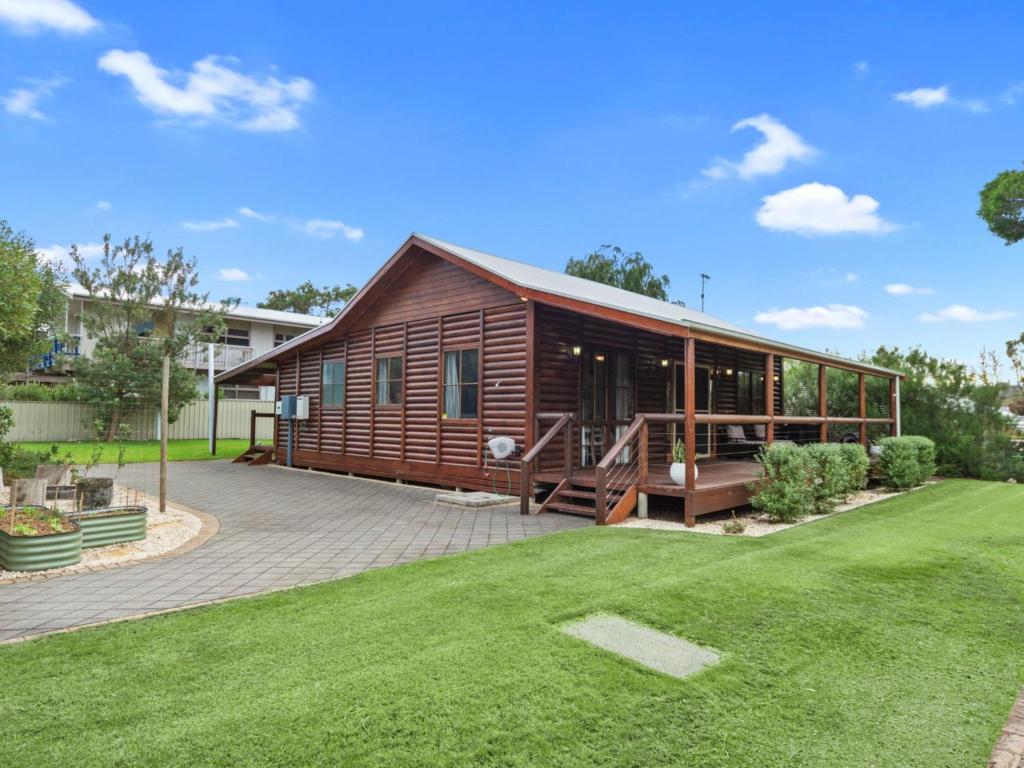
x,y
302,407
286,406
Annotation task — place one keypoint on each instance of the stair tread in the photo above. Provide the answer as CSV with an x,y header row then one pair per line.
x,y
576,509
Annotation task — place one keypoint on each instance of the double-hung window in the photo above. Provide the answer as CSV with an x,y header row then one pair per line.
x,y
461,384
334,384
389,381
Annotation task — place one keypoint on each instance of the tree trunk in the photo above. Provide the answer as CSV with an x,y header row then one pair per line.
x,y
114,425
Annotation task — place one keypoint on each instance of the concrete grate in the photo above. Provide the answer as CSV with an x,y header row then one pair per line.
x,y
653,649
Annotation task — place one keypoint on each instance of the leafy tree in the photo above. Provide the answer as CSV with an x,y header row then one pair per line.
x,y
1002,206
610,265
1015,351
307,299
140,309
943,400
32,299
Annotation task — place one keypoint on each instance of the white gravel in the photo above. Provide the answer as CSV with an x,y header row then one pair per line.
x,y
756,525
164,533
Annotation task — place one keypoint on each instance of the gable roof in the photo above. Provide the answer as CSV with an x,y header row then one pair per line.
x,y
560,289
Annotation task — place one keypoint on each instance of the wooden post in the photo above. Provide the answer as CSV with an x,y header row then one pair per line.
x,y
862,408
644,456
823,402
690,412
165,387
567,448
769,397
894,429
252,427
215,405
601,495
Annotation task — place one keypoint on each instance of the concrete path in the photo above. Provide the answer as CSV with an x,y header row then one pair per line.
x,y
278,528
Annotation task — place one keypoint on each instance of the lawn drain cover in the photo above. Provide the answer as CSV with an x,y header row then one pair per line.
x,y
653,649
474,499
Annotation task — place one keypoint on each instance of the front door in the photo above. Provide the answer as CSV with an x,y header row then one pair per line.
x,y
607,402
703,396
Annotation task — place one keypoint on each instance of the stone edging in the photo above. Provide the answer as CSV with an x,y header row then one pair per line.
x,y
1009,751
209,528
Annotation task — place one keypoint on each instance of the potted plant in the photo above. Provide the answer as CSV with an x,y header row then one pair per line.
x,y
34,538
677,471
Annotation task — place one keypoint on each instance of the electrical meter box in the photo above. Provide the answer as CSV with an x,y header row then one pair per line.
x,y
302,407
286,406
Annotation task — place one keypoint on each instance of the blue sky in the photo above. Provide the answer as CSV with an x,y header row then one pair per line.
x,y
807,158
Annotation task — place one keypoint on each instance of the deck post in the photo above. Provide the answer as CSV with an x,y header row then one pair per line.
x,y
641,506
252,427
525,486
644,457
823,402
690,412
894,406
769,397
600,495
862,408
568,448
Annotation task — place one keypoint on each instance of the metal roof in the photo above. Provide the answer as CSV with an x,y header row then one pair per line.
x,y
560,285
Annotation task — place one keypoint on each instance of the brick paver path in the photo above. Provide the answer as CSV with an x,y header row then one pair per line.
x,y
279,528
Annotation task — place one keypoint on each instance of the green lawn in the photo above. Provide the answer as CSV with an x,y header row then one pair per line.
x,y
889,636
147,450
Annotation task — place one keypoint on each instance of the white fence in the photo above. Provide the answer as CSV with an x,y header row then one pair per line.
x,y
59,421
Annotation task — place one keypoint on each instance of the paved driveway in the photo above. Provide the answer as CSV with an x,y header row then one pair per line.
x,y
279,528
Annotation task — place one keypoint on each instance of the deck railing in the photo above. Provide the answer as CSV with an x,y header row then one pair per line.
x,y
619,472
563,426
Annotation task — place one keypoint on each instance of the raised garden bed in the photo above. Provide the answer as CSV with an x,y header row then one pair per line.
x,y
37,539
112,525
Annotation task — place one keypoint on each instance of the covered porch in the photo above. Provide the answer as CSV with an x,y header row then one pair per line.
x,y
616,403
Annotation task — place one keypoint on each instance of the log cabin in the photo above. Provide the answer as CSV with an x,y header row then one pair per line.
x,y
447,347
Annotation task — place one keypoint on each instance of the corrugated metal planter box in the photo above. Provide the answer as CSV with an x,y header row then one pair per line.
x,y
113,525
40,553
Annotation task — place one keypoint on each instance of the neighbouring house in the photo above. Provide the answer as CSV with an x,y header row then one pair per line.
x,y
446,348
250,332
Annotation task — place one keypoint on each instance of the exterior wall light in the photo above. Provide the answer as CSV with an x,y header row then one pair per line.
x,y
664,363
576,351
599,358
728,371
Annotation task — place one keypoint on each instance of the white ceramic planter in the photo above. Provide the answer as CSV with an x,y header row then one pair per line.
x,y
677,471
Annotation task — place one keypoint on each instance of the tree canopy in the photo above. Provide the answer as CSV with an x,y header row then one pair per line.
x,y
307,299
1002,206
33,301
610,265
141,308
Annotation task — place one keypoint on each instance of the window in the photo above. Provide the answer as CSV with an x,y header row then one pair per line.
x,y
235,337
461,384
334,384
750,392
281,338
389,381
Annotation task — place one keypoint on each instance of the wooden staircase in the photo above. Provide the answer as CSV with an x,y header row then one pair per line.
x,y
578,497
256,454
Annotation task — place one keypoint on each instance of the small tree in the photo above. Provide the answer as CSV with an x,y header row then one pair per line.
x,y
610,265
307,299
1002,206
32,301
141,309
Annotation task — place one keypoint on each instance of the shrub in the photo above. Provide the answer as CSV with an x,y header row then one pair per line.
x,y
899,464
829,474
733,527
33,391
786,492
925,456
857,465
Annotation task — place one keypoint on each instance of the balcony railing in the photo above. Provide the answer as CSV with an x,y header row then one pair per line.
x,y
224,356
57,355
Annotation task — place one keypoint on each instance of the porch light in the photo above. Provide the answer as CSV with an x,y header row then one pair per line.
x,y
775,378
728,371
664,363
599,358
576,351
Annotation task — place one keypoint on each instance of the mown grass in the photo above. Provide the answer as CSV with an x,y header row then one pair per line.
x,y
888,636
143,450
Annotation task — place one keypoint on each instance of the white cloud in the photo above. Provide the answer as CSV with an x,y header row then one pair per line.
x,y
1011,94
837,316
964,314
28,17
327,228
923,98
213,91
821,209
58,254
780,146
249,213
24,102
861,69
902,289
233,275
210,226
103,205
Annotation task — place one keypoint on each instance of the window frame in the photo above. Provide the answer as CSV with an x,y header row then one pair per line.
x,y
344,384
376,380
460,350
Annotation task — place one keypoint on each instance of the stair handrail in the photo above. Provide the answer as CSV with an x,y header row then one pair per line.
x,y
563,423
610,459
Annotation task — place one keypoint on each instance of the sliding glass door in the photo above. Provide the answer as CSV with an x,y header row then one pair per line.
x,y
607,402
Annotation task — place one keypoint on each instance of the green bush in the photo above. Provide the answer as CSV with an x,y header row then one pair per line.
x,y
829,476
857,465
33,391
925,456
786,493
899,464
